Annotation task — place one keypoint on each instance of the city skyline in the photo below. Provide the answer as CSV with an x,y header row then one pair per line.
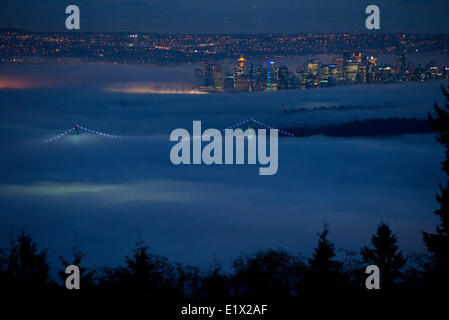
x,y
345,69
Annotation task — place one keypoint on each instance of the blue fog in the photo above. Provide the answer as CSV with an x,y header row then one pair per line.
x,y
100,192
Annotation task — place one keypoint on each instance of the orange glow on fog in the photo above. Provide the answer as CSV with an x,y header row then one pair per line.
x,y
6,83
151,89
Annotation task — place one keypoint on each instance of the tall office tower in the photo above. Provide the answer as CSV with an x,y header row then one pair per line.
x,y
325,73
228,83
420,73
213,77
339,70
370,64
283,77
261,77
351,69
240,67
361,73
133,40
357,57
372,60
218,78
446,73
401,56
252,77
313,70
432,69
313,66
370,73
346,57
241,83
272,76
199,73
385,74
302,76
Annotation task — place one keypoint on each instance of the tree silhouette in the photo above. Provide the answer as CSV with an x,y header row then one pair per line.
x,y
215,286
438,243
142,273
351,271
87,277
269,274
385,255
324,272
25,267
148,275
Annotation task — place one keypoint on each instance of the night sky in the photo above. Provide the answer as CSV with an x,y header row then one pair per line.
x,y
231,16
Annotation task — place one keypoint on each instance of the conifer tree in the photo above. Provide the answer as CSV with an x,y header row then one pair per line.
x,y
324,272
26,267
438,243
385,255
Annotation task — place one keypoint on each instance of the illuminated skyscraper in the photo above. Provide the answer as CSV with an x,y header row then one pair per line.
x,y
271,80
313,67
325,74
240,67
211,79
228,83
357,57
261,77
361,73
346,57
351,69
385,74
283,77
133,40
313,70
241,80
339,70
372,60
371,64
252,77
401,57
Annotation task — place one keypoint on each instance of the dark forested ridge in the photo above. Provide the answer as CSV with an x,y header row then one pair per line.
x,y
367,128
342,107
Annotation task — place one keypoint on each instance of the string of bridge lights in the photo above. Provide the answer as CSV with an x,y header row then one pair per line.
x,y
59,135
77,128
271,127
249,120
98,132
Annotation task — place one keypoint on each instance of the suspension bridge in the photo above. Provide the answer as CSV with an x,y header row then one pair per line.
x,y
77,130
251,123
